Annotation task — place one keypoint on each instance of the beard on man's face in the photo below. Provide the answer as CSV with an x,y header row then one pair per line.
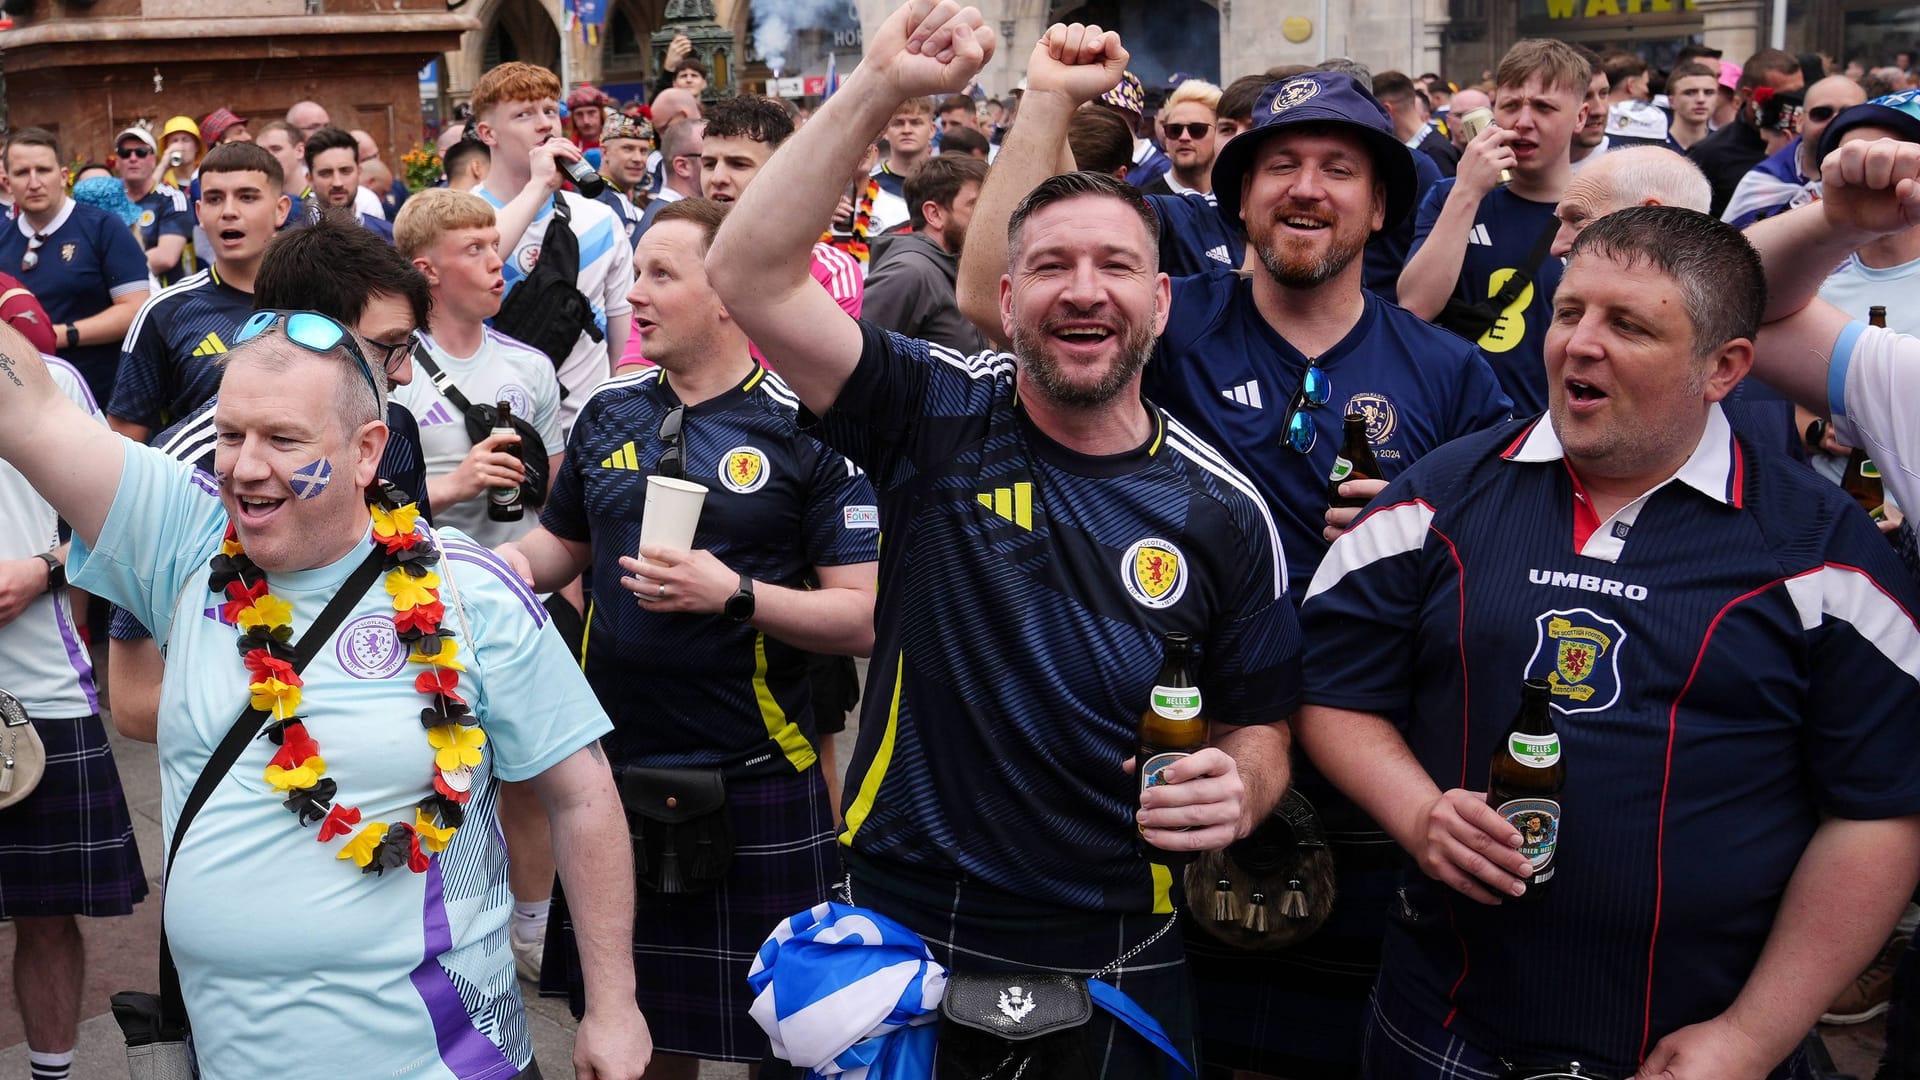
x,y
1032,346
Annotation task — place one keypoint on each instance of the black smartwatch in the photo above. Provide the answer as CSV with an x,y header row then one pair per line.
x,y
73,336
56,571
739,606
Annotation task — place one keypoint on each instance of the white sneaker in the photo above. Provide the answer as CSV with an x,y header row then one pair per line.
x,y
526,955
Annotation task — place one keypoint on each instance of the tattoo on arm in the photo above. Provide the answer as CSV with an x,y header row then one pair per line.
x,y
6,365
594,751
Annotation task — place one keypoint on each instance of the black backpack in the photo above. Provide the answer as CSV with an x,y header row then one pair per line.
x,y
546,309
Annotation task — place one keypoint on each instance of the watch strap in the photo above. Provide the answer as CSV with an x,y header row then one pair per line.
x,y
73,336
56,571
740,605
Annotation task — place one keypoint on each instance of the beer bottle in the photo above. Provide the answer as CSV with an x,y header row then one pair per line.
x,y
503,504
1171,726
1862,479
1524,782
1356,462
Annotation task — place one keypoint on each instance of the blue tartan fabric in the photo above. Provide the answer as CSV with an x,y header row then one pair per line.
x,y
691,954
67,849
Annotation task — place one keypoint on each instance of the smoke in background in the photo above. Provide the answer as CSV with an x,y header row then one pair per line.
x,y
1162,36
776,21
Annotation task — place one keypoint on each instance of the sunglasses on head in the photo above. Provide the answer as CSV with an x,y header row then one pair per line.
x,y
673,462
1192,131
313,332
1315,390
126,152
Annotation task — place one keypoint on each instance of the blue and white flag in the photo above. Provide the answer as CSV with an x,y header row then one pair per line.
x,y
311,480
847,992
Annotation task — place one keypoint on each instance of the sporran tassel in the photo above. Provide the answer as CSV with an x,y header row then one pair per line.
x,y
1256,917
1293,903
1226,905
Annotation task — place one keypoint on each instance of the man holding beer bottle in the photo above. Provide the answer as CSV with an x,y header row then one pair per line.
x,y
1729,664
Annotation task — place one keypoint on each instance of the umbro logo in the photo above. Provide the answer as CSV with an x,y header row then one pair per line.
x,y
1480,235
1014,503
623,459
1247,393
1219,253
439,414
211,345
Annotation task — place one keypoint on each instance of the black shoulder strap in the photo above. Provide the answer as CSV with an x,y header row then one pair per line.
x,y
1522,276
441,381
173,1008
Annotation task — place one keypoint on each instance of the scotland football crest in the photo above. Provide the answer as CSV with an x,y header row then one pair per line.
x,y
1578,653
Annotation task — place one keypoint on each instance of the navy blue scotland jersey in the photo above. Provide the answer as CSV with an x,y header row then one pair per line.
x,y
1732,658
166,211
88,260
1195,237
703,690
1504,233
1024,592
1223,371
170,362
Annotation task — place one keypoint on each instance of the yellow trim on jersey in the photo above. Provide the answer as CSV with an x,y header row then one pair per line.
x,y
1162,889
870,783
794,744
1159,436
758,374
586,633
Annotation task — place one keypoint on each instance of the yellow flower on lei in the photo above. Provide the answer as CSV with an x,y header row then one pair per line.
x,y
447,657
230,548
277,697
268,611
432,837
307,775
360,848
409,592
455,745
397,522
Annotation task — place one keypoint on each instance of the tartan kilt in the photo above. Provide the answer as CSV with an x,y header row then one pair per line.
x,y
68,849
691,953
1050,939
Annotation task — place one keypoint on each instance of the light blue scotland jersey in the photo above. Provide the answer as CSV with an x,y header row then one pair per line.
x,y
293,962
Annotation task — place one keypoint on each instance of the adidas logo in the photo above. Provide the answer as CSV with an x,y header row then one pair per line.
x,y
1012,503
1220,254
211,345
1247,393
624,459
1480,235
439,414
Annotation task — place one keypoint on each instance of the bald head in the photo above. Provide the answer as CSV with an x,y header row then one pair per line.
x,y
1465,102
308,117
1635,176
674,104
369,149
1824,101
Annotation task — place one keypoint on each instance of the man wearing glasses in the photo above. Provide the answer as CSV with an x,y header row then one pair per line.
x,y
401,969
1187,122
1265,368
696,654
169,365
343,271
1791,177
165,225
82,264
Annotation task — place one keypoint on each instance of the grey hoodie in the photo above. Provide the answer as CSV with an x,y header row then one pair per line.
x,y
910,290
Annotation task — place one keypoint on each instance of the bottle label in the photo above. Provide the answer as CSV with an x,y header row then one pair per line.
x,y
1538,823
1342,468
1176,702
1151,769
1868,469
1535,751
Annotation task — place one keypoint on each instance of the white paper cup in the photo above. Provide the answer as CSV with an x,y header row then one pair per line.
x,y
672,511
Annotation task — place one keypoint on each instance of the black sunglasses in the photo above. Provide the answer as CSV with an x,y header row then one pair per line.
x,y
126,152
1193,131
1820,114
673,462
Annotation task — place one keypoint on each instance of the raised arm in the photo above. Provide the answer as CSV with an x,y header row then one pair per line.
x,y
759,263
1870,189
1431,271
1070,66
73,462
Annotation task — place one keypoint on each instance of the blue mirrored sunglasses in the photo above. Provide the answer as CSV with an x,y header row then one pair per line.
x,y
1315,391
311,331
